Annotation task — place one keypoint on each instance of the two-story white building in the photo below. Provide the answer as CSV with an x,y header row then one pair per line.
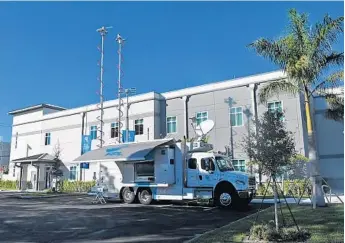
x,y
39,131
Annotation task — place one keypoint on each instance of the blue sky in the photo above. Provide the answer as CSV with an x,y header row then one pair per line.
x,y
48,50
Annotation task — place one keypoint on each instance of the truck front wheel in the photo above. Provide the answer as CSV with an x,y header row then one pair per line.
x,y
145,196
128,195
225,198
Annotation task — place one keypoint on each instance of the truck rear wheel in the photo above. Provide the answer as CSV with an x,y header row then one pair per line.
x,y
128,195
145,196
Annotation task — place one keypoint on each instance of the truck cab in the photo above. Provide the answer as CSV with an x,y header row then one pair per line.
x,y
212,170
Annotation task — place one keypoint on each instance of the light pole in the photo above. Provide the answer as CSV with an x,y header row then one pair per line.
x,y
128,92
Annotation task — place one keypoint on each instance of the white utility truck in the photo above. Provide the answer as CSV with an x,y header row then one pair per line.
x,y
166,169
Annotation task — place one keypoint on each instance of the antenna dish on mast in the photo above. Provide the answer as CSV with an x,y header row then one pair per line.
x,y
204,128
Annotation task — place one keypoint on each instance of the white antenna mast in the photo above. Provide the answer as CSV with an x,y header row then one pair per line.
x,y
103,31
120,41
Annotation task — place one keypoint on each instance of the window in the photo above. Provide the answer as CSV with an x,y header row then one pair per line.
x,y
236,116
139,126
201,116
114,130
93,132
73,173
207,164
171,124
144,169
275,106
239,164
47,139
192,163
14,171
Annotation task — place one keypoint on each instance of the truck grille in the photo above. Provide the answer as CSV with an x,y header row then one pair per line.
x,y
251,182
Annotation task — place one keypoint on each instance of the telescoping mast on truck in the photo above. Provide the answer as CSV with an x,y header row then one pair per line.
x,y
166,169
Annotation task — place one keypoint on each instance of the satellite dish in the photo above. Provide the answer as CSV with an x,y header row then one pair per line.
x,y
204,128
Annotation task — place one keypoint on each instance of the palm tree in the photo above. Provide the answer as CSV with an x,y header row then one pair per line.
x,y
305,54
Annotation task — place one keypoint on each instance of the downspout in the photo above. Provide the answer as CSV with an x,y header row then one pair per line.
x,y
253,88
82,136
185,117
38,176
82,129
184,162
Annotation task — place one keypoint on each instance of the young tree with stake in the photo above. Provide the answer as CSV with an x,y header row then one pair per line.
x,y
272,148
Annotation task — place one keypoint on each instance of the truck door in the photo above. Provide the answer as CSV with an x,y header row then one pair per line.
x,y
208,173
192,173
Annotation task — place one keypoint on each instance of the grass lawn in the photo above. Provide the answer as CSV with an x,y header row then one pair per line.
x,y
325,224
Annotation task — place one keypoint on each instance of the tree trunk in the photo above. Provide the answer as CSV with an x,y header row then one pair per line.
x,y
317,198
275,203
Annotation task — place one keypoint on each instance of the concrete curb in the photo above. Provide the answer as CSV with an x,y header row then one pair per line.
x,y
224,226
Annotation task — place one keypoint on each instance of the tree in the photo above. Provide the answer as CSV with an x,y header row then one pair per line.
x,y
272,148
305,54
56,172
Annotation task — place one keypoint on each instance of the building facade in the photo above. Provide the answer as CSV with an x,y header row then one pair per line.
x,y
230,104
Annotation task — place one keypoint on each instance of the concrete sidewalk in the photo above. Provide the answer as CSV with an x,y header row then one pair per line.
x,y
328,199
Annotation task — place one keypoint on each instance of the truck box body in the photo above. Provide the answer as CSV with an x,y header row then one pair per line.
x,y
168,170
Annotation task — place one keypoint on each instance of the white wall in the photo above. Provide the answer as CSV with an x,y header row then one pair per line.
x,y
65,128
330,144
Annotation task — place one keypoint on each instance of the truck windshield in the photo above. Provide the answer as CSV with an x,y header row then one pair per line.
x,y
224,164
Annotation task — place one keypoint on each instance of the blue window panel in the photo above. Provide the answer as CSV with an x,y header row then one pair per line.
x,y
201,116
93,132
171,124
236,116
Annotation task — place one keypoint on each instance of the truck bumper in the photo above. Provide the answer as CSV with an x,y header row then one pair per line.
x,y
247,194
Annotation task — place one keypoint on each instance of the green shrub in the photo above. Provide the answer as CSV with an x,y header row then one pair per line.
x,y
76,186
8,185
261,190
296,187
268,232
291,187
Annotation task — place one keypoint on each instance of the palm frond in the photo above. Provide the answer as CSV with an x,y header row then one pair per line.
x,y
326,33
299,28
277,87
335,110
334,80
323,60
272,50
335,114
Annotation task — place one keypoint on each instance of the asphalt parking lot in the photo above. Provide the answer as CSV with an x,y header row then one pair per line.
x,y
75,219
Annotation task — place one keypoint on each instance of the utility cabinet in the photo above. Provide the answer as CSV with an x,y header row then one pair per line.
x,y
164,163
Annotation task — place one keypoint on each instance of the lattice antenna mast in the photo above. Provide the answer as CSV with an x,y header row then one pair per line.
x,y
103,31
120,41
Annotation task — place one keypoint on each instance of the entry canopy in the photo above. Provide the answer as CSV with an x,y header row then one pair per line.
x,y
126,152
37,158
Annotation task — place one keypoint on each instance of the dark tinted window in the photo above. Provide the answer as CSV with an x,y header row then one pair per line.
x,y
192,163
207,163
145,169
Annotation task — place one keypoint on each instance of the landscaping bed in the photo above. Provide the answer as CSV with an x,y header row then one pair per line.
x,y
324,224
